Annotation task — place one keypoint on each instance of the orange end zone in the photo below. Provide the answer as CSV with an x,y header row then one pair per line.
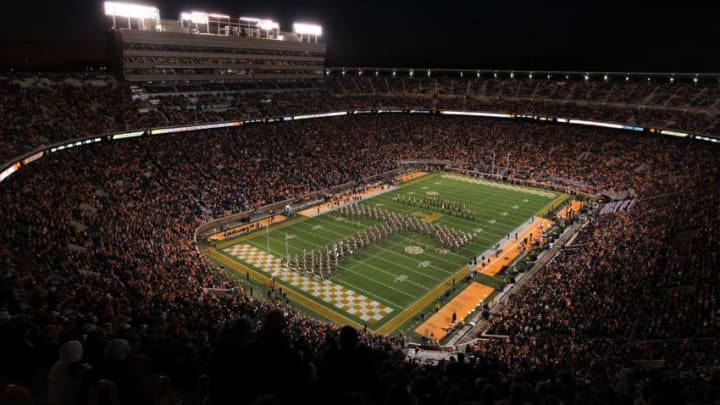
x,y
247,227
510,250
571,210
461,305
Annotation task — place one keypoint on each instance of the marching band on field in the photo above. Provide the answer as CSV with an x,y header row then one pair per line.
x,y
449,207
322,262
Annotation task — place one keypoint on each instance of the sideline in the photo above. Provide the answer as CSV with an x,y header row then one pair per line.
x,y
461,305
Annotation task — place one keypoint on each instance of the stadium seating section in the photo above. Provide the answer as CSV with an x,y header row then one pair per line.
x,y
97,243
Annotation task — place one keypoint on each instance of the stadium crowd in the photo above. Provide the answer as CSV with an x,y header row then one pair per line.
x,y
102,279
640,90
67,106
618,296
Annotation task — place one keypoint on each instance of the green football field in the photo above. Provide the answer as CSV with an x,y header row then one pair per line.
x,y
394,275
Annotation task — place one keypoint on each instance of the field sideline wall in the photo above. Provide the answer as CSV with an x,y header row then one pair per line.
x,y
265,210
405,165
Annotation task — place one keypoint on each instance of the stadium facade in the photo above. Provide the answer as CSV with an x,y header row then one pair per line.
x,y
207,47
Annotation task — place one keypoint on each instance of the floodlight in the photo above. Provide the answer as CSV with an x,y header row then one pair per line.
x,y
605,77
586,77
512,75
196,17
530,76
263,24
223,16
695,79
411,72
495,75
130,10
672,79
311,29
428,73
627,78
199,17
268,25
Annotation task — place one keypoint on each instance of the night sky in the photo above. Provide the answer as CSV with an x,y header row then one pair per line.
x,y
559,35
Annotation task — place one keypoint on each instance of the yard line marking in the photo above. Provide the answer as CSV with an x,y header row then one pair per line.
x,y
384,285
404,238
393,263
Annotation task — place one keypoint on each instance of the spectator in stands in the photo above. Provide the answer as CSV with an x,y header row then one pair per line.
x,y
225,367
118,367
101,237
347,369
276,368
65,379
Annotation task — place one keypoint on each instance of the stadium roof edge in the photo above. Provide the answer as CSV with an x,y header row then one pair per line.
x,y
520,71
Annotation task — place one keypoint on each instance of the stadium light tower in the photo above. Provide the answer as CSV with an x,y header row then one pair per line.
x,y
268,25
255,27
202,19
133,12
195,18
311,30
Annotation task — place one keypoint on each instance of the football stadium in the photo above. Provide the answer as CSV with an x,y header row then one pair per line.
x,y
218,216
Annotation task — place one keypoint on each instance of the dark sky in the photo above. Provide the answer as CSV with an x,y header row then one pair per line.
x,y
490,34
